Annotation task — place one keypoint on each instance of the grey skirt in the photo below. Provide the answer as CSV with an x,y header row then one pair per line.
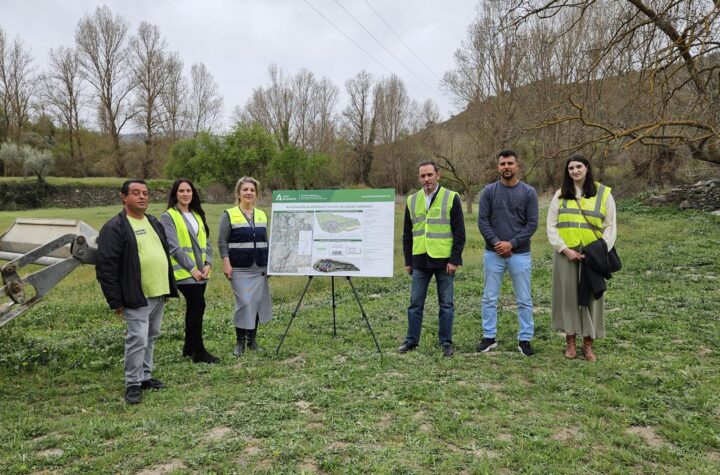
x,y
252,296
567,316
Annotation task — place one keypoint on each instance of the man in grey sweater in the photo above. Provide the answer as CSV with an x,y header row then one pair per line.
x,y
507,219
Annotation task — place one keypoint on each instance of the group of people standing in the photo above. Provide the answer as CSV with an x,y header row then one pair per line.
x,y
581,213
142,261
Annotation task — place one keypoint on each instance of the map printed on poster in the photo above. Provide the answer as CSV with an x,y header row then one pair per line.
x,y
332,232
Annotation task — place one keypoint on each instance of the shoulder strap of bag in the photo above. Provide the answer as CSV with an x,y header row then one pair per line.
x,y
592,226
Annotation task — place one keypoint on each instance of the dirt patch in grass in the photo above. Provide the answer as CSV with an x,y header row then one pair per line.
x,y
296,361
565,434
163,469
425,428
51,453
305,407
338,445
478,452
418,416
308,465
505,437
647,434
217,433
713,455
385,421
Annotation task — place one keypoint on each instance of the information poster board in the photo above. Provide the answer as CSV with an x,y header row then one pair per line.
x,y
332,232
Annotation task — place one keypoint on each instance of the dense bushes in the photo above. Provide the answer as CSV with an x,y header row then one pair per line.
x,y
23,195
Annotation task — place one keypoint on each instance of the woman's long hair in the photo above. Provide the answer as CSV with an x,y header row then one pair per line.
x,y
194,205
568,185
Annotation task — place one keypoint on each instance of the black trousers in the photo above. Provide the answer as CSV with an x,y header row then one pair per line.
x,y
194,311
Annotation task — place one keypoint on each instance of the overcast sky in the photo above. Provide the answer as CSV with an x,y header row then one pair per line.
x,y
238,39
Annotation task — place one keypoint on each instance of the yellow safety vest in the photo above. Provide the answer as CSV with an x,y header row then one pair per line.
x,y
573,228
431,230
185,242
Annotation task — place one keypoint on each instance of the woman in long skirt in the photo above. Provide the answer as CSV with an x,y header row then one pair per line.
x,y
243,247
581,212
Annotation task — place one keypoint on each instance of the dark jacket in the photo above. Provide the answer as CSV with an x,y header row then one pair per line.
x,y
594,269
118,265
457,226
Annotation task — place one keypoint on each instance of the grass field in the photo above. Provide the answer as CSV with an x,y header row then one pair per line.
x,y
651,404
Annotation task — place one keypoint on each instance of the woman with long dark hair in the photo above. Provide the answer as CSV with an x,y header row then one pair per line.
x,y
243,247
581,212
189,241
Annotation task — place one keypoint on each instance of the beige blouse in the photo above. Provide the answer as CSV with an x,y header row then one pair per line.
x,y
609,223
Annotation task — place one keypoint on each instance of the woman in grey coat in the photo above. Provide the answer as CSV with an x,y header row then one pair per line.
x,y
188,238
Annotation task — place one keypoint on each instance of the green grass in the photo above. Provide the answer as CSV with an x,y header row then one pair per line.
x,y
650,404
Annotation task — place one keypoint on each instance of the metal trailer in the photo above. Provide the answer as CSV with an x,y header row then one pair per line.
x,y
59,244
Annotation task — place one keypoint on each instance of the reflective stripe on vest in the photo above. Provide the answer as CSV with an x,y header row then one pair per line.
x,y
247,239
432,234
572,226
185,242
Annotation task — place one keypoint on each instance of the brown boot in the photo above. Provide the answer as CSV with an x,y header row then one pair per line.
x,y
587,349
571,351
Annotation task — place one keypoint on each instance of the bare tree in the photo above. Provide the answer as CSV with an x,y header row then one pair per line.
x,y
150,74
297,110
18,85
314,102
360,125
62,92
174,98
273,107
101,40
667,50
395,115
205,103
4,98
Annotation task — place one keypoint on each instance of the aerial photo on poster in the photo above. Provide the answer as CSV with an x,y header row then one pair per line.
x,y
332,232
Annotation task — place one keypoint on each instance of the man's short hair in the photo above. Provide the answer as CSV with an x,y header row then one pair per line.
x,y
126,186
507,153
429,162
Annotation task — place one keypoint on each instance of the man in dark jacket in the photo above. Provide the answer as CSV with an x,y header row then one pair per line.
x,y
136,276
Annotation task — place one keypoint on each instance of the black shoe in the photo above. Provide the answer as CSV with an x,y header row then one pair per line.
x,y
133,394
204,357
486,344
239,349
448,351
152,384
405,347
525,348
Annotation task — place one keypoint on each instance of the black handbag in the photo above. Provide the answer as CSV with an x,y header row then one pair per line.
x,y
614,262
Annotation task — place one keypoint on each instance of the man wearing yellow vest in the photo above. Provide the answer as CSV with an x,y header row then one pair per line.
x,y
136,276
433,241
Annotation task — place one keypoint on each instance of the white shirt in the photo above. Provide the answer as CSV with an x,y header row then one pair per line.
x,y
428,198
190,218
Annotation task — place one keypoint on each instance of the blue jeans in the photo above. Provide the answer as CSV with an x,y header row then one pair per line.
x,y
519,267
418,292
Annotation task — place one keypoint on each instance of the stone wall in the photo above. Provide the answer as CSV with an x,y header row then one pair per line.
x,y
703,195
67,196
